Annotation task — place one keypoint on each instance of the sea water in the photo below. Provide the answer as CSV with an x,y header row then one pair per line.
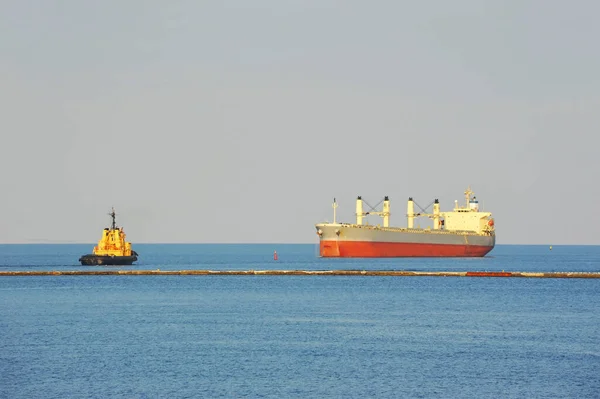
x,y
298,336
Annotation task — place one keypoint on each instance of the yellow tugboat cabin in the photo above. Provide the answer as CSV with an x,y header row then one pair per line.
x,y
113,243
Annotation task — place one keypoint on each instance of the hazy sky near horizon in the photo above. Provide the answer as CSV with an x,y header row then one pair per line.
x,y
239,121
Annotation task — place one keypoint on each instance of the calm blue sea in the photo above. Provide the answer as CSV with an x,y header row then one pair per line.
x,y
298,336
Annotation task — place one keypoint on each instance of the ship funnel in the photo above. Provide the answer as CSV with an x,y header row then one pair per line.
x,y
474,204
436,215
359,211
410,212
386,212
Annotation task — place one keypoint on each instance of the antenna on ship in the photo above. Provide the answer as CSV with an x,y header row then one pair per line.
x,y
334,206
113,215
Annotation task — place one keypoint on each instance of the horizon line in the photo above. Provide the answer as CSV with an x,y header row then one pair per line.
x,y
65,242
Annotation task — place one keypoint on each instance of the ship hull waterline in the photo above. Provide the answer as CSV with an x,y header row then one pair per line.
x,y
370,249
102,260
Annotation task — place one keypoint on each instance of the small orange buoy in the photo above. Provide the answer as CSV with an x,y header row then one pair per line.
x,y
275,255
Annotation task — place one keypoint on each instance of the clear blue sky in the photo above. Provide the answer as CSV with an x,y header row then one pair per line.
x,y
238,121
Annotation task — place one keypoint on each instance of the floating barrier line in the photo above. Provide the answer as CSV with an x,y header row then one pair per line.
x,y
399,273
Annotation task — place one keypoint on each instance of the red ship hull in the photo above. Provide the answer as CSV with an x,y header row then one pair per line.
x,y
370,249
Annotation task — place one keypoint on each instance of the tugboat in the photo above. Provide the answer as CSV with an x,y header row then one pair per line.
x,y
112,249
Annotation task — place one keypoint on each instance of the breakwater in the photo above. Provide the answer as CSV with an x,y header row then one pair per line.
x,y
395,273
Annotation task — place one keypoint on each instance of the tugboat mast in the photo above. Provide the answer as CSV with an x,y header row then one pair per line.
x,y
113,214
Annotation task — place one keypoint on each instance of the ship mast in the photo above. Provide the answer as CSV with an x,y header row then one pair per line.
x,y
113,215
334,206
468,193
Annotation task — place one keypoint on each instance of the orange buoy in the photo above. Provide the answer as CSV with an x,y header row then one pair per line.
x,y
275,255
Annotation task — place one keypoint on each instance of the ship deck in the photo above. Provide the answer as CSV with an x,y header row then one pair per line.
x,y
427,230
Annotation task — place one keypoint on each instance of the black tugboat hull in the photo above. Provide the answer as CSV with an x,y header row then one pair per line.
x,y
99,260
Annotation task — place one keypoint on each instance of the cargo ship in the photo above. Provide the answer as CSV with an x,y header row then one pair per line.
x,y
112,249
463,232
